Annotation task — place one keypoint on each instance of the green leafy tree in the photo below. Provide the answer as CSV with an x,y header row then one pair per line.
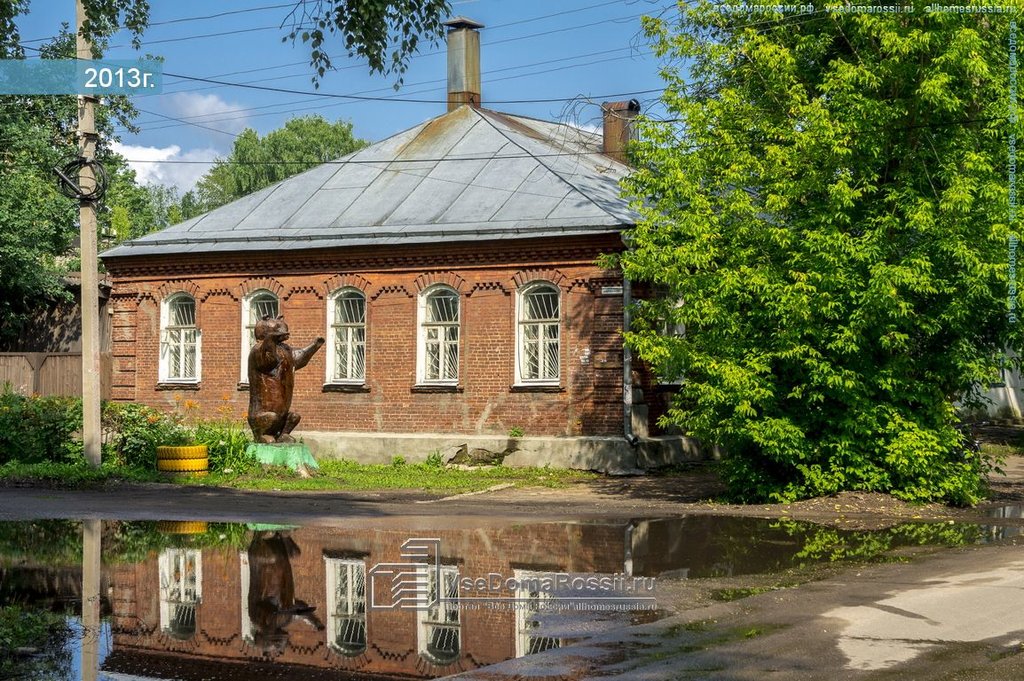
x,y
827,217
386,33
38,225
256,162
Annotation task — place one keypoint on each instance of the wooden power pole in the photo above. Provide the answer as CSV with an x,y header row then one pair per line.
x,y
90,276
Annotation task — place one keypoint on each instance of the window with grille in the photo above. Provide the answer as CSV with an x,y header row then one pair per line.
x,y
181,582
538,347
179,340
346,605
530,600
255,306
347,332
439,336
439,634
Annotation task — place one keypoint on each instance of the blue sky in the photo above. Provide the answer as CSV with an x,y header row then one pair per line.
x,y
578,51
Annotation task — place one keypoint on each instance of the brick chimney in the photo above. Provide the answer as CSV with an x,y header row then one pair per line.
x,y
618,127
463,62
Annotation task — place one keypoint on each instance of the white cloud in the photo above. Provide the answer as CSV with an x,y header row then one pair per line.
x,y
146,162
211,109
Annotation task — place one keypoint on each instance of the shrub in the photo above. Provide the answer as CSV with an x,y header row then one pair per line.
x,y
35,429
132,432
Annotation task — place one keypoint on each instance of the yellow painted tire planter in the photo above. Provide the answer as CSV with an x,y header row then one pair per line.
x,y
166,453
196,466
182,526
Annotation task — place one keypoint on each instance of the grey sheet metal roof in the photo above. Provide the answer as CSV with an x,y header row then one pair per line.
x,y
469,175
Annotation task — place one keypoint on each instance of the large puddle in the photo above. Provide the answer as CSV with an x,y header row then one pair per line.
x,y
197,600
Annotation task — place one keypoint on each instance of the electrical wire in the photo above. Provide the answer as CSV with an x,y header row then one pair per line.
x,y
212,117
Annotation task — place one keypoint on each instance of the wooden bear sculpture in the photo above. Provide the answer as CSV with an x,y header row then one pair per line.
x,y
272,365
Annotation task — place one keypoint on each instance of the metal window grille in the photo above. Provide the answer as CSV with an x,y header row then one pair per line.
x,y
180,585
440,630
539,334
347,606
262,304
529,602
349,336
180,336
441,336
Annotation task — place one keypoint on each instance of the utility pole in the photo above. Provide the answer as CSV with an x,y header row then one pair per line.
x,y
90,277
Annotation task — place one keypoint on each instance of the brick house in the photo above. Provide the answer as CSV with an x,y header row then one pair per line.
x,y
451,269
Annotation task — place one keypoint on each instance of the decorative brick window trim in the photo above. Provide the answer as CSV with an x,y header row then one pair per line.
x,y
345,388
177,386
427,389
527,388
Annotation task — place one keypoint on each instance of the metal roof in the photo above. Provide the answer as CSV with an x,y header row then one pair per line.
x,y
469,175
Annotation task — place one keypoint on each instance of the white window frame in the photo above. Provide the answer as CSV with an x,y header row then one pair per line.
x,y
246,346
332,338
185,591
527,604
421,338
439,612
164,370
356,605
520,335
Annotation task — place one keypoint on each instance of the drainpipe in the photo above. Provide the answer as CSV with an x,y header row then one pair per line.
x,y
627,368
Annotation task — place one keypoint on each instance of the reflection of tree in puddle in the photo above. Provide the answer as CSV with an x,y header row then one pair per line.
x,y
822,543
271,598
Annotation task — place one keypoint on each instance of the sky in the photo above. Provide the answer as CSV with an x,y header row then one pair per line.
x,y
579,52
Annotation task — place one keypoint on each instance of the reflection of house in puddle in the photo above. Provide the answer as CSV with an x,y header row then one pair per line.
x,y
190,608
191,613
181,590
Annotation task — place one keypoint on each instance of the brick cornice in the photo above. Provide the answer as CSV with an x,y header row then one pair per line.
x,y
558,251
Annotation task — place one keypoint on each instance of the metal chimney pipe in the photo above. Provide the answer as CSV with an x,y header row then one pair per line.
x,y
463,62
618,127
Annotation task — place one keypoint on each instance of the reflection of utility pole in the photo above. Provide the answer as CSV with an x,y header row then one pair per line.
x,y
91,531
90,277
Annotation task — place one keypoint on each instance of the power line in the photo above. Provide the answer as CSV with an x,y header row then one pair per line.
x,y
266,88
231,112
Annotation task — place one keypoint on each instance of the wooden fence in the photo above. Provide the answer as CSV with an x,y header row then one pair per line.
x,y
50,373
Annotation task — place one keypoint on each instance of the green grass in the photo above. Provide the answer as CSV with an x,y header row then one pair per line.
x,y
333,475
78,475
999,451
347,475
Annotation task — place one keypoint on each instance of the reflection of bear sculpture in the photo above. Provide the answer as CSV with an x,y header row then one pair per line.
x,y
272,366
271,598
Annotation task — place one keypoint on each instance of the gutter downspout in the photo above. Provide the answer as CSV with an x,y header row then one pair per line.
x,y
627,367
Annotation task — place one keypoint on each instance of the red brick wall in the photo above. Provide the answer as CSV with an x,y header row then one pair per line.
x,y
589,402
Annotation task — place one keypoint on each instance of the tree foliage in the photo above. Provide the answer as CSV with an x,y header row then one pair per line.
x,y
256,162
386,33
38,225
369,29
827,216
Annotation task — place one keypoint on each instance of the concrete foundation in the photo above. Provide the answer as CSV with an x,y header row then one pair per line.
x,y
604,454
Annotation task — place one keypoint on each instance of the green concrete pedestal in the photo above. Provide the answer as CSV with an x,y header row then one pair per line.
x,y
295,455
